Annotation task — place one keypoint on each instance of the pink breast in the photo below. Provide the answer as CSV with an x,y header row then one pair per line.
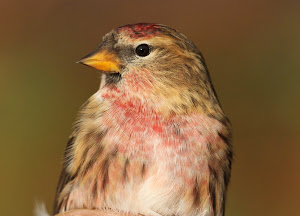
x,y
179,141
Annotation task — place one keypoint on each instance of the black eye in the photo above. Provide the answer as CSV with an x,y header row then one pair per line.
x,y
142,50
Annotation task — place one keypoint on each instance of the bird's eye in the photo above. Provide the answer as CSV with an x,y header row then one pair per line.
x,y
142,50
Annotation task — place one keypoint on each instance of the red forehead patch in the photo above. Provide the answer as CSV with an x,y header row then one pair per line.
x,y
140,30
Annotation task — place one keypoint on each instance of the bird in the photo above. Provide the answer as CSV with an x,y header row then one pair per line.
x,y
154,139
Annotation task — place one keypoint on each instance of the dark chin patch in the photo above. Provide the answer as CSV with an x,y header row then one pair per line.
x,y
112,78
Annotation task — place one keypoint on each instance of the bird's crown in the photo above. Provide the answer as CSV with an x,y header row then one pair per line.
x,y
140,29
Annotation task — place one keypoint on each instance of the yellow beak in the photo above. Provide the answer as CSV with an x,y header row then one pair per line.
x,y
102,60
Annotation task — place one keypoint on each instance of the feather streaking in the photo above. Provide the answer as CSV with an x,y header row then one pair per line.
x,y
153,140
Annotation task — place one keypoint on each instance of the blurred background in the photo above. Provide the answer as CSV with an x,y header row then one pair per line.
x,y
252,49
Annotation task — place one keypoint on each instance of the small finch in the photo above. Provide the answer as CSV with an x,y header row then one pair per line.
x,y
154,139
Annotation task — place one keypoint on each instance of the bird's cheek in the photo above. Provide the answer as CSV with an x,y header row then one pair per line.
x,y
139,81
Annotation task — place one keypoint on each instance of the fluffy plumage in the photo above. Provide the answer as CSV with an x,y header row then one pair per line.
x,y
153,140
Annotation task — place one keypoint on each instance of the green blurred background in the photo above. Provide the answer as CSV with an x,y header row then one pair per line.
x,y
252,49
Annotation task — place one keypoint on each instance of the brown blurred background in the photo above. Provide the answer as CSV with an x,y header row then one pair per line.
x,y
252,49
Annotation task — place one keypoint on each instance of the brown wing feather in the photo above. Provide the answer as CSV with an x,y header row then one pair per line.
x,y
64,178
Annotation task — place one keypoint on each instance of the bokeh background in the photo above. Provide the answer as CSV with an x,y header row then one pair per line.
x,y
252,49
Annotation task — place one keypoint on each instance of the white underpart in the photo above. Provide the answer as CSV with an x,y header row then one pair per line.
x,y
40,209
102,83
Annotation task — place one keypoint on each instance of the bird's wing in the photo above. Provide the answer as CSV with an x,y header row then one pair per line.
x,y
64,178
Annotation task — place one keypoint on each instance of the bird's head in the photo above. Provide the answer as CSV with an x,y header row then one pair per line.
x,y
155,61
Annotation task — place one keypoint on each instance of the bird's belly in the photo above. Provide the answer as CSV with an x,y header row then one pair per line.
x,y
155,174
148,167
